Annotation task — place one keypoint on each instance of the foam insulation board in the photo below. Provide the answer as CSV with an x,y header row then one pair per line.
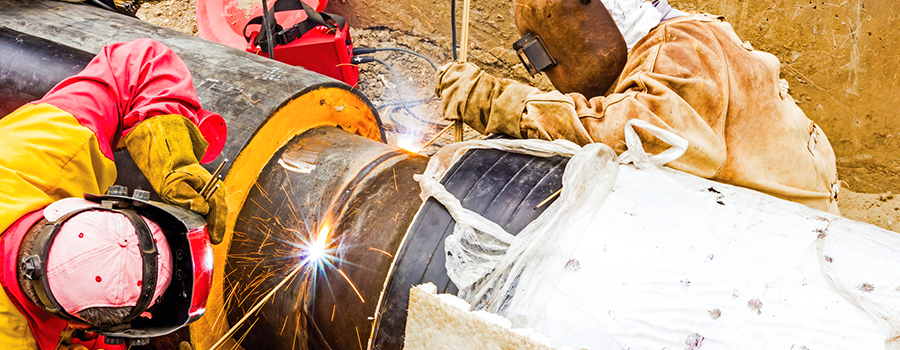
x,y
437,322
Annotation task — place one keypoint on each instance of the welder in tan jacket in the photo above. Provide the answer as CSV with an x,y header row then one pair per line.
x,y
687,73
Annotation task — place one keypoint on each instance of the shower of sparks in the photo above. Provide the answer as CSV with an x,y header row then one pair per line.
x,y
293,239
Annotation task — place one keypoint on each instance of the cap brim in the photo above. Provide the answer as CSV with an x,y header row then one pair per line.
x,y
60,208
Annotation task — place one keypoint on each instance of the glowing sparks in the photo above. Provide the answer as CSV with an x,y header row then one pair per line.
x,y
351,285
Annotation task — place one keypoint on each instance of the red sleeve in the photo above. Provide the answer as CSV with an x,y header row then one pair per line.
x,y
129,82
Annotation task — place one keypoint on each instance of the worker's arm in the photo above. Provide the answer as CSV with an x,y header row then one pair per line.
x,y
141,91
673,80
127,83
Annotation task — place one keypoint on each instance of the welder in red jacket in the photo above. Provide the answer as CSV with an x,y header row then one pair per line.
x,y
137,94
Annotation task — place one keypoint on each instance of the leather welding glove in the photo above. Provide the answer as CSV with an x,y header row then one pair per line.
x,y
484,102
166,149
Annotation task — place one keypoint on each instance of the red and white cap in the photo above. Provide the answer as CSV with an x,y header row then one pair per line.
x,y
95,260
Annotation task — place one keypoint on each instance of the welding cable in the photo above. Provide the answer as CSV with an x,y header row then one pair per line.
x,y
411,103
453,28
269,41
389,106
368,50
402,102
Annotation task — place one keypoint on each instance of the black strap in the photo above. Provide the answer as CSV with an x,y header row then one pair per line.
x,y
149,255
283,36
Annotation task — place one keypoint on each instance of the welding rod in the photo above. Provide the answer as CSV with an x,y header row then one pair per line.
x,y
208,186
463,55
541,204
211,192
444,131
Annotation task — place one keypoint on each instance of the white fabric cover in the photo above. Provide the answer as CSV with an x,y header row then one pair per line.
x,y
635,18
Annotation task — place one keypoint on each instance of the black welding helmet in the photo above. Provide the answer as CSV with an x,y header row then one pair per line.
x,y
575,42
128,7
188,263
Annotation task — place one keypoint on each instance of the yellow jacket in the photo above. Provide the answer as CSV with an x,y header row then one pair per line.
x,y
47,155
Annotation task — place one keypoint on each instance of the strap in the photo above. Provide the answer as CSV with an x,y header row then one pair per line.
x,y
283,36
149,255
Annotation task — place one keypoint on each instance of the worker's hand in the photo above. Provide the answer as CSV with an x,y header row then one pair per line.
x,y
482,101
182,187
454,81
166,149
72,347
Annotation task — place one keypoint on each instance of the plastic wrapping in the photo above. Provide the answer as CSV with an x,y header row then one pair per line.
x,y
477,244
646,257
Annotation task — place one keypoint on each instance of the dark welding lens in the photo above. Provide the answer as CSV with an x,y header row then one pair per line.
x,y
534,54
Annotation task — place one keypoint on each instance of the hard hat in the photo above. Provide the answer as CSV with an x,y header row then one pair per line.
x,y
581,37
172,248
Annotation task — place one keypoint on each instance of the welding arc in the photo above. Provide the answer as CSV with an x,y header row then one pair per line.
x,y
256,307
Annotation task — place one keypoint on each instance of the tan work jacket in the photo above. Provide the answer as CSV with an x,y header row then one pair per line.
x,y
693,76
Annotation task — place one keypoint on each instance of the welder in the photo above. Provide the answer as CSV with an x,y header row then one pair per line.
x,y
617,60
69,263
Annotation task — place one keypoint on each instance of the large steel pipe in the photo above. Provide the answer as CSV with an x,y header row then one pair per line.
x,y
31,66
382,240
324,182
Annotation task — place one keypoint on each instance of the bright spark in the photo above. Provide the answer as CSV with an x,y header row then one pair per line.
x,y
407,144
317,249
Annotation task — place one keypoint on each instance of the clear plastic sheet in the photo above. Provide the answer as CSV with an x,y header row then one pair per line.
x,y
645,257
479,247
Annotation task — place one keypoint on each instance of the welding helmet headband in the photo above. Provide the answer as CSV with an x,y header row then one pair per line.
x,y
582,38
184,300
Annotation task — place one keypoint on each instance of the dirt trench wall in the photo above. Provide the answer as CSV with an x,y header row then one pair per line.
x,y
840,59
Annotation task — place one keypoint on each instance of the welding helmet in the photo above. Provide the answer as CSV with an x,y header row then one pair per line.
x,y
575,42
128,7
183,240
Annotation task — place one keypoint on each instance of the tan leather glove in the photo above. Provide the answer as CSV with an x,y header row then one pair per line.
x,y
484,102
166,149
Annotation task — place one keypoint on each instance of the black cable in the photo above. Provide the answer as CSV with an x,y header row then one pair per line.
x,y
368,50
412,103
268,29
402,102
397,84
453,27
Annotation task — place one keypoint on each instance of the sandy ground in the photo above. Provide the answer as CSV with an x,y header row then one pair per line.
x,y
415,82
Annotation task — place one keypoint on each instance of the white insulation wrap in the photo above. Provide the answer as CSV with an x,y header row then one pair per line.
x,y
655,258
